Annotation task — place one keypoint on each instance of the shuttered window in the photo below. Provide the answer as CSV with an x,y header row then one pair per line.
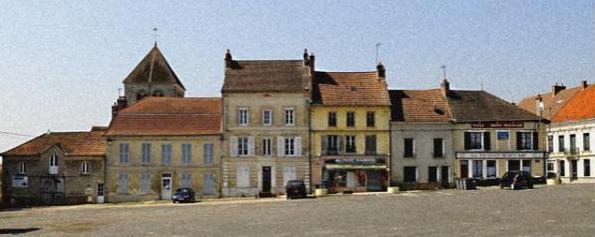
x,y
123,183
166,154
186,154
123,150
243,177
146,153
208,154
145,183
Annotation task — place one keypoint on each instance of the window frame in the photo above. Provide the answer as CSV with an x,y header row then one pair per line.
x,y
264,117
22,167
525,133
124,153
405,153
332,119
267,149
243,116
473,133
208,153
166,154
243,143
289,144
85,167
371,123
441,155
587,143
186,153
289,116
350,144
146,153
350,119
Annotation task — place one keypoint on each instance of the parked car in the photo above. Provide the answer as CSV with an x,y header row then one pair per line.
x,y
295,188
516,180
183,195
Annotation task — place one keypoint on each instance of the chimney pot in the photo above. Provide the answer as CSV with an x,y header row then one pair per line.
x,y
584,84
228,59
557,88
445,87
381,70
311,62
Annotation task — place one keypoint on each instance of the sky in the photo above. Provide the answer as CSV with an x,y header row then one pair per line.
x,y
62,62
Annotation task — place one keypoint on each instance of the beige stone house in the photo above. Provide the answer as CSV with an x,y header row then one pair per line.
x,y
265,124
160,144
55,168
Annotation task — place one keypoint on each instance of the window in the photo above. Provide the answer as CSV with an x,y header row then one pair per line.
x,y
550,143
85,167
166,154
350,119
289,173
243,116
208,155
123,153
186,180
586,142
289,146
561,143
100,191
243,177
332,119
146,153
587,167
526,166
186,154
524,140
551,173
409,174
438,147
477,140
477,168
432,174
266,147
370,119
330,145
53,168
22,167
289,117
145,183
409,146
267,117
492,170
370,144
242,146
350,144
123,183
562,168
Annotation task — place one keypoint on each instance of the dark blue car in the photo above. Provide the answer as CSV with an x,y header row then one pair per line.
x,y
183,195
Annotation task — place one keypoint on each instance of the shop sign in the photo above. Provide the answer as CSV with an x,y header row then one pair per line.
x,y
358,160
20,182
497,124
500,155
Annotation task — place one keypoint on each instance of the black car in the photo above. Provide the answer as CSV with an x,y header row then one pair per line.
x,y
295,188
516,180
183,195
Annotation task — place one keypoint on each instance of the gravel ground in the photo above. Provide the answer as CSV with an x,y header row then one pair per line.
x,y
562,210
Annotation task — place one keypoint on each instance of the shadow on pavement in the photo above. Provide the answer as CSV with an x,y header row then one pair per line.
x,y
16,231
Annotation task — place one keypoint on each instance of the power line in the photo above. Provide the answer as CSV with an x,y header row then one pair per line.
x,y
15,134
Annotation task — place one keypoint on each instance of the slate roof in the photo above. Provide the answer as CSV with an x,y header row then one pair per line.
x,y
350,89
472,106
155,67
579,107
266,76
551,103
72,143
419,106
168,116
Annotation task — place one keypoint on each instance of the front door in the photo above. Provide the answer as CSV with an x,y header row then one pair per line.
x,y
266,179
166,186
574,168
100,193
444,175
464,169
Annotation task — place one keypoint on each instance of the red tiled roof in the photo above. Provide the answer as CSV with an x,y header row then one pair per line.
x,y
581,106
168,116
266,76
350,89
72,143
551,103
419,106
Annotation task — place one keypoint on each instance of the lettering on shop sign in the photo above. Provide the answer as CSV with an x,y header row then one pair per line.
x,y
356,161
500,155
497,124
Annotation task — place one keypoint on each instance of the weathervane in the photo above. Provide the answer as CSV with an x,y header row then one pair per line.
x,y
377,47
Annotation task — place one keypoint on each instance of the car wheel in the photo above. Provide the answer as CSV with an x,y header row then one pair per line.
x,y
174,201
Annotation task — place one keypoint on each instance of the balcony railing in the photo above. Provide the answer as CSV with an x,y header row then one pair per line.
x,y
571,151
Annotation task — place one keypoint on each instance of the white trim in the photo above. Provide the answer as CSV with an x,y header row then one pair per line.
x,y
85,167
240,109
270,117
289,121
22,167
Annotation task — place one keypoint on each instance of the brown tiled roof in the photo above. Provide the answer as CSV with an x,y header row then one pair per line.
x,y
267,76
153,66
168,116
419,106
551,103
581,106
470,106
72,143
350,89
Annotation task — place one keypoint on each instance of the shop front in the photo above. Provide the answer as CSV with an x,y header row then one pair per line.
x,y
492,165
355,174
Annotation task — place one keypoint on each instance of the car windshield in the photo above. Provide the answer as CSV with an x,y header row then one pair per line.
x,y
182,190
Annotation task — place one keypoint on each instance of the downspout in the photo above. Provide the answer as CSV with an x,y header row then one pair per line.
x,y
105,173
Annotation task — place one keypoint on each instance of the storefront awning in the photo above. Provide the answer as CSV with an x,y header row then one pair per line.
x,y
354,167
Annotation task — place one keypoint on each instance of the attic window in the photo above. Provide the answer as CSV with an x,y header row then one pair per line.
x,y
353,88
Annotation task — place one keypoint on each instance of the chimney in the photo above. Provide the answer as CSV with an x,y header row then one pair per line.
x,y
311,62
381,70
228,59
445,88
557,88
584,84
306,57
120,104
539,106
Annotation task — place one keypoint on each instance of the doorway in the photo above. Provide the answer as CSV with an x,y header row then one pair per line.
x,y
444,175
100,193
464,169
574,169
166,186
266,179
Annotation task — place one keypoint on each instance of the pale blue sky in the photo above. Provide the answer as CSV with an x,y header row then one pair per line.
x,y
62,62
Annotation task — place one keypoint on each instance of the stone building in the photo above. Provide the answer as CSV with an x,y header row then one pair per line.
x,y
265,124
422,154
55,168
163,143
350,121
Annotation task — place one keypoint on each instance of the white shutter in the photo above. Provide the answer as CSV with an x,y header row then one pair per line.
x,y
234,146
298,146
250,146
280,146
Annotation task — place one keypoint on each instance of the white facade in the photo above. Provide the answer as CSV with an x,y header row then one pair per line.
x,y
571,146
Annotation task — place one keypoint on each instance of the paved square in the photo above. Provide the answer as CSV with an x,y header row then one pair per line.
x,y
563,210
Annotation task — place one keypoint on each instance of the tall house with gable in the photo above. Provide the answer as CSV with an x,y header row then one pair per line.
x,y
265,124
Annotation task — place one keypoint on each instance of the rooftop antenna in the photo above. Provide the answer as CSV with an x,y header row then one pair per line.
x,y
155,35
377,47
443,67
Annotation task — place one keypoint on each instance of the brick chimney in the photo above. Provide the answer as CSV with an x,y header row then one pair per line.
x,y
311,61
381,70
120,104
445,88
539,105
584,84
557,88
228,59
306,57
